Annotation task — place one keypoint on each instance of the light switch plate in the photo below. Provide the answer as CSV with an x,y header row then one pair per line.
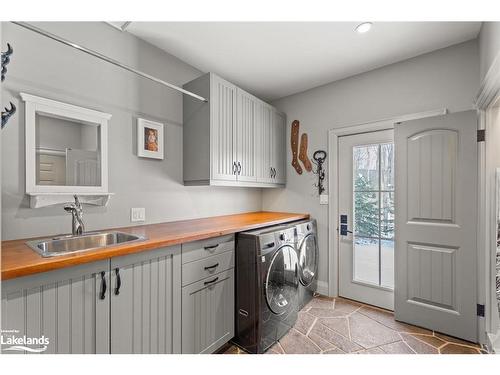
x,y
138,214
323,199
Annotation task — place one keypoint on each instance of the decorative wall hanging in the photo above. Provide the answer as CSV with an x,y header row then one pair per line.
x,y
7,114
149,139
319,157
295,146
303,153
6,60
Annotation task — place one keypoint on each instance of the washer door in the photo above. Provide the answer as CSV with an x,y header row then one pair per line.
x,y
281,280
308,260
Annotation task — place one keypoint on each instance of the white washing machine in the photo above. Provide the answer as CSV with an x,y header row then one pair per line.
x,y
308,254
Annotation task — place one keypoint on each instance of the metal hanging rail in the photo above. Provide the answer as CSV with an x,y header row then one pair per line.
x,y
107,59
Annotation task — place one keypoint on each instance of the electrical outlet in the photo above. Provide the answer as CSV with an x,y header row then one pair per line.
x,y
323,199
137,214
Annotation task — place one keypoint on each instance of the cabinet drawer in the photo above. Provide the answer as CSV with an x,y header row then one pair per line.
x,y
203,268
197,250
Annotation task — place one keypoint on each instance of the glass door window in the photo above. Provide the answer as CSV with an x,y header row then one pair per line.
x,y
373,216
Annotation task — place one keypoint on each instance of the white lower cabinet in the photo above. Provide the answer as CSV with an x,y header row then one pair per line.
x,y
157,301
146,302
208,313
207,294
68,307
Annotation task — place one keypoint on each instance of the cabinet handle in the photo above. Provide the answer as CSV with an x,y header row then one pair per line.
x,y
118,281
239,168
271,172
275,172
211,247
211,281
102,292
212,267
235,168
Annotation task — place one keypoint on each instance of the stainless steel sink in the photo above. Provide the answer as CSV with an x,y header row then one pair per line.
x,y
51,247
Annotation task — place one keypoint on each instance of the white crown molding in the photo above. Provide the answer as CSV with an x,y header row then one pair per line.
x,y
489,91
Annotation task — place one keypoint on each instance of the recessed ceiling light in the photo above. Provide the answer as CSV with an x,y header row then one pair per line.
x,y
363,27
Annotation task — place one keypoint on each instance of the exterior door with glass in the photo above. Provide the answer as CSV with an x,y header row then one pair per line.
x,y
366,222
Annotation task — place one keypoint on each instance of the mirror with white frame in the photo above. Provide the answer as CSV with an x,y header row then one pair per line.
x,y
66,148
67,152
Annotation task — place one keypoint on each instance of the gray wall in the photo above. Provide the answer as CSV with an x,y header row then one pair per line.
x,y
489,45
445,78
43,67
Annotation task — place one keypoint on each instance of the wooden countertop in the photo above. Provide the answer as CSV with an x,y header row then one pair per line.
x,y
20,260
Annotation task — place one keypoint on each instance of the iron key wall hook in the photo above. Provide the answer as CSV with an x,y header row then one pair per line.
x,y
6,60
319,157
7,114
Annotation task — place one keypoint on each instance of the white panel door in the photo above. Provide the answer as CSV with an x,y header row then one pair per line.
x,y
366,208
222,133
278,147
245,136
263,142
436,174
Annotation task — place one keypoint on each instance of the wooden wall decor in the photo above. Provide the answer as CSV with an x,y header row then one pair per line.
x,y
295,146
303,153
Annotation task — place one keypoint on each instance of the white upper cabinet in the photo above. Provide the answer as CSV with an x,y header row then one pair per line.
x,y
234,140
263,113
278,126
223,130
245,137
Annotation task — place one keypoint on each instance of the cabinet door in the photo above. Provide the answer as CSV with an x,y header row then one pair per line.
x,y
208,313
245,137
278,145
64,306
146,302
263,140
222,134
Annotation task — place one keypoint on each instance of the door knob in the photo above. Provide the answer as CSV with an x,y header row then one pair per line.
x,y
344,230
343,225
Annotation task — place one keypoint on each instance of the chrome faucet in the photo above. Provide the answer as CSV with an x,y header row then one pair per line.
x,y
77,227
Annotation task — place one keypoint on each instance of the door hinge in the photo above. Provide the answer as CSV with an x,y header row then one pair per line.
x,y
480,310
481,135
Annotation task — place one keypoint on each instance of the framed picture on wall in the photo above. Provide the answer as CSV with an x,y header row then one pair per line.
x,y
149,139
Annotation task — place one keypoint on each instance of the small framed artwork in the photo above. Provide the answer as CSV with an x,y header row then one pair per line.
x,y
149,139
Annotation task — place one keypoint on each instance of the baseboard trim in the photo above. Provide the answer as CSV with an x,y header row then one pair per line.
x,y
322,288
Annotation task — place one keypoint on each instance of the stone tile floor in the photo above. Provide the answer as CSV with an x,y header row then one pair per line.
x,y
338,326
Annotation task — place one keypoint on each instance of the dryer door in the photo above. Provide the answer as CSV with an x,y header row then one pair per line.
x,y
282,280
308,259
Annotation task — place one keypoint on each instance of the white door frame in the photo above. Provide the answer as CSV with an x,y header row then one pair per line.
x,y
333,187
487,97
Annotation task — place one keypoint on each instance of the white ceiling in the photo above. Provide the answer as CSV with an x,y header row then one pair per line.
x,y
273,60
